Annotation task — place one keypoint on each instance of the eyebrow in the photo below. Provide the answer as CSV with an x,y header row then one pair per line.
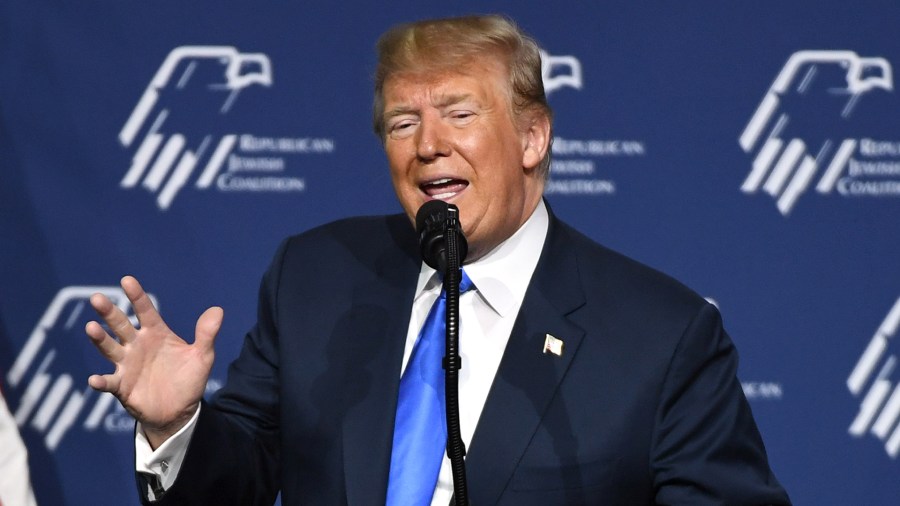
x,y
454,98
399,111
442,101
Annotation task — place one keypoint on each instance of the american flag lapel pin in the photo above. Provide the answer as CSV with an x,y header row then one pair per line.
x,y
553,345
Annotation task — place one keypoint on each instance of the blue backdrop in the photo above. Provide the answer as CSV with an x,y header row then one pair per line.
x,y
750,149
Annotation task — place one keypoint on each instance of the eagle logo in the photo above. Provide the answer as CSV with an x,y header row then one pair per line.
x,y
560,71
812,89
201,84
46,379
880,406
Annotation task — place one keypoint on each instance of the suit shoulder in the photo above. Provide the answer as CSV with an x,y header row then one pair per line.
x,y
352,235
366,242
628,279
347,230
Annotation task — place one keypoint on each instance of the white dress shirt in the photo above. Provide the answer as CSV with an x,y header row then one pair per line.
x,y
15,484
487,314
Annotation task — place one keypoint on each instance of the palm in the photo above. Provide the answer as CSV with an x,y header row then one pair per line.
x,y
159,378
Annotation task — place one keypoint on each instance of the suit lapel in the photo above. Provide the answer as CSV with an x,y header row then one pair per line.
x,y
527,378
369,421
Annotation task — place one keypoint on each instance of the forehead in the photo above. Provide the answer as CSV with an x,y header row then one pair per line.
x,y
484,79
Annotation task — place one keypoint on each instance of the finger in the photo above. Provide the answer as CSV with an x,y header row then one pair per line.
x,y
208,326
143,306
108,346
114,317
104,383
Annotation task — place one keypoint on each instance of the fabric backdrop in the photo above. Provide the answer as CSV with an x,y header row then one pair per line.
x,y
750,149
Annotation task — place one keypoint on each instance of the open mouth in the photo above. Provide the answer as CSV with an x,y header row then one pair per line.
x,y
443,188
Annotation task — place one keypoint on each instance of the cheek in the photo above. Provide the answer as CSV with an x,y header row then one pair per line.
x,y
404,188
475,216
398,154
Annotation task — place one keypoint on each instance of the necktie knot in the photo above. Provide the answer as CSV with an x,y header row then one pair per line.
x,y
465,284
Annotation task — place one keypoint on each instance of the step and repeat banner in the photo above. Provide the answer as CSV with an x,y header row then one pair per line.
x,y
750,149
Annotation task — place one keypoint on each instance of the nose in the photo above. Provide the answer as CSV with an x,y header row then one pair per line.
x,y
431,141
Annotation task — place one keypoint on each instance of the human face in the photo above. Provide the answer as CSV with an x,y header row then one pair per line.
x,y
453,137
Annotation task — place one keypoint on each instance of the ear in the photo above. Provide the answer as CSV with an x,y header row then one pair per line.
x,y
535,138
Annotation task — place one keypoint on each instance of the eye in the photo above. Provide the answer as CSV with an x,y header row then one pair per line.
x,y
401,128
461,114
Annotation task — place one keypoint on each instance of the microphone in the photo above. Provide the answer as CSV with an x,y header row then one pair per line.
x,y
443,247
433,220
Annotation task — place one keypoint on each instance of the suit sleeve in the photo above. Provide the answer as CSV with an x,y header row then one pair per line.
x,y
706,447
233,457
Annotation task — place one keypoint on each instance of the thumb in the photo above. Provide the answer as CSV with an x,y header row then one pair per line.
x,y
208,326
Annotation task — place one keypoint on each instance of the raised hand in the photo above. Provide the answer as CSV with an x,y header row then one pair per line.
x,y
159,378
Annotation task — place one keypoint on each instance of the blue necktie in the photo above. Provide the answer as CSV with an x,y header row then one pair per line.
x,y
420,429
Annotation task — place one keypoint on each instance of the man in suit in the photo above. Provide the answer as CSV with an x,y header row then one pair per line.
x,y
639,404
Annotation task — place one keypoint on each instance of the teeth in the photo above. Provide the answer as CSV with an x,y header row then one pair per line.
x,y
439,181
442,196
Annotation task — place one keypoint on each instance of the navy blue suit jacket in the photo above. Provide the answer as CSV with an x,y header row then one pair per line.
x,y
643,406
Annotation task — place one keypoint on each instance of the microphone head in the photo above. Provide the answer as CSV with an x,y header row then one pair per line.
x,y
431,226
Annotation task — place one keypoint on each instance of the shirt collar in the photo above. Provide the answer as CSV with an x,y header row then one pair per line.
x,y
501,277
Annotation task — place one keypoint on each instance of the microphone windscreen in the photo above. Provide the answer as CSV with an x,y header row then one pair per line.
x,y
430,225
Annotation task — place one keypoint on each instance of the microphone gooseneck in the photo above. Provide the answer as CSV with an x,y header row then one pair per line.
x,y
443,247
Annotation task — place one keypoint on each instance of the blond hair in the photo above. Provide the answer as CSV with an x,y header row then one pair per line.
x,y
439,45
